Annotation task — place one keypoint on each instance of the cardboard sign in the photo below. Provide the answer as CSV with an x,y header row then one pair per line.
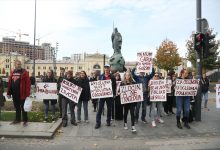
x,y
118,83
131,93
168,86
46,90
144,62
101,89
186,87
70,90
158,90
217,95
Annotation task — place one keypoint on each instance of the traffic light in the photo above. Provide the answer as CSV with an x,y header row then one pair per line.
x,y
209,44
199,41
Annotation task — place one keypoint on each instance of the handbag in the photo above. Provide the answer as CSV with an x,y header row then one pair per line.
x,y
27,104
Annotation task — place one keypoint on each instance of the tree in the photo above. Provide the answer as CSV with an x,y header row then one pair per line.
x,y
210,62
167,57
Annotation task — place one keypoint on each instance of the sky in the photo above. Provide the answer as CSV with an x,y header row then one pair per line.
x,y
86,25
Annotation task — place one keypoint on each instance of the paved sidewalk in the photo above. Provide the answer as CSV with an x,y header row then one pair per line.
x,y
33,130
208,127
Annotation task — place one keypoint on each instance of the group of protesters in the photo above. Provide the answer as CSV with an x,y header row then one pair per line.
x,y
19,87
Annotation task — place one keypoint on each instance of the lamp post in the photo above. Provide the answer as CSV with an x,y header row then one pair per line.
x,y
35,9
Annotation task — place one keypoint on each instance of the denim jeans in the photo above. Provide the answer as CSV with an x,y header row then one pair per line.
x,y
205,98
180,102
109,102
156,110
85,107
144,108
46,109
72,105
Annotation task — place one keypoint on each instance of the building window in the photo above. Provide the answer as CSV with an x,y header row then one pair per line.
x,y
38,67
44,68
55,68
49,67
28,67
6,66
71,68
96,66
38,73
7,60
66,68
80,67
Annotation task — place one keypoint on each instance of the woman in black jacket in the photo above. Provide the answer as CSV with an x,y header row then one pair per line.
x,y
83,82
94,101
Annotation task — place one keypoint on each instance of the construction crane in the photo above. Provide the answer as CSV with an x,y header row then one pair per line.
x,y
18,33
38,39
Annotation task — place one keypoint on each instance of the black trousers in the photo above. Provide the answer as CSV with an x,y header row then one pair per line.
x,y
19,108
168,105
129,106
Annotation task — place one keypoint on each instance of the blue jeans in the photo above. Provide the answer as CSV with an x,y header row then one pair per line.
x,y
46,109
144,108
109,102
180,102
205,97
85,107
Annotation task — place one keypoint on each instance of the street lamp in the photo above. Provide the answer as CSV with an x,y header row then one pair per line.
x,y
35,9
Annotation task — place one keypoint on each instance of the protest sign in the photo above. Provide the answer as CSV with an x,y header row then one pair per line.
x,y
158,90
168,85
101,89
144,62
131,93
186,87
46,90
70,90
217,95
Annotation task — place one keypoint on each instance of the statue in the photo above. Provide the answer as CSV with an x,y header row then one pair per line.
x,y
117,61
116,41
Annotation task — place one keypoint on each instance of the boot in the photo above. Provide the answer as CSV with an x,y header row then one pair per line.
x,y
186,123
178,122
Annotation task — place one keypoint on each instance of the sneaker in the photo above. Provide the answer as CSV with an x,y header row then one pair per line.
x,y
108,124
74,123
25,123
186,125
133,129
97,126
64,124
46,120
14,122
179,126
144,120
154,124
86,121
79,121
125,126
160,120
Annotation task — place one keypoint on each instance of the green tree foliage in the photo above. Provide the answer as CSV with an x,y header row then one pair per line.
x,y
208,63
167,57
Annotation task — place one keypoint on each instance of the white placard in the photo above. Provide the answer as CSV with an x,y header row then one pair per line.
x,y
70,90
131,93
217,95
144,62
186,87
158,90
46,90
101,89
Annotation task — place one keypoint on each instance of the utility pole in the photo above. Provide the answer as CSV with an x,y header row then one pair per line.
x,y
198,62
34,57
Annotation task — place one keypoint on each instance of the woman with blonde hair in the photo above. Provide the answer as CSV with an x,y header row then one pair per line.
x,y
128,80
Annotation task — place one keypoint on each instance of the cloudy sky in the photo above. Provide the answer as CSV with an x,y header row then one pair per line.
x,y
86,25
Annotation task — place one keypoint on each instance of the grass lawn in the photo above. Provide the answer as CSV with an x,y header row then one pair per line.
x,y
32,116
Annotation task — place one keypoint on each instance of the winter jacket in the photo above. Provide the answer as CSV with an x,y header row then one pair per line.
x,y
25,84
84,84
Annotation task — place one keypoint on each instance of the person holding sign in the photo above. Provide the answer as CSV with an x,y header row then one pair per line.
x,y
106,76
185,101
129,106
50,79
60,79
156,96
205,89
66,101
85,96
142,78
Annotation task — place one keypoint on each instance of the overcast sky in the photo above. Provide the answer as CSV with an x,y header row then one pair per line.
x,y
86,25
